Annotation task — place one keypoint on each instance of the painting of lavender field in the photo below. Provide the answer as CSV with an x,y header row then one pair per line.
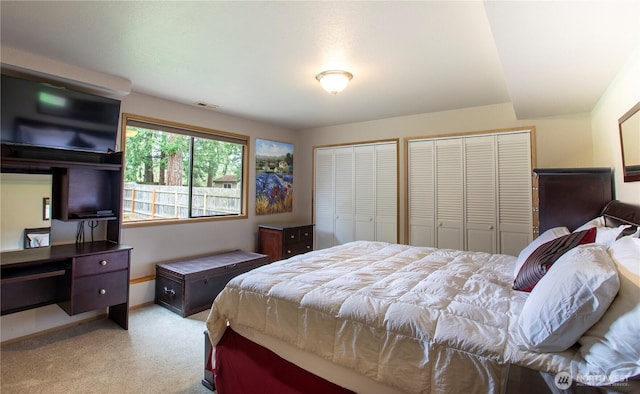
x,y
274,177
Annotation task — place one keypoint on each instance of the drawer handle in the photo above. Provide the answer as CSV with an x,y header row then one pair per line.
x,y
288,252
308,246
293,236
103,262
169,291
306,234
103,291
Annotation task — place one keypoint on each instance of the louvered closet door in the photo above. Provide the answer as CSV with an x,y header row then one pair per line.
x,y
421,192
449,194
480,193
344,195
364,192
324,211
514,188
386,192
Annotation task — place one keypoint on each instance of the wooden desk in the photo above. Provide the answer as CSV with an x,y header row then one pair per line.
x,y
79,278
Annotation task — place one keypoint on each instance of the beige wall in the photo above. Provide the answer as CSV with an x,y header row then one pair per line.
x,y
21,206
622,94
560,141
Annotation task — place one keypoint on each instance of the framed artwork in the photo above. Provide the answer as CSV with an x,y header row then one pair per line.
x,y
274,177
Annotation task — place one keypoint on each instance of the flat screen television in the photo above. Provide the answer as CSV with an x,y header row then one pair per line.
x,y
42,115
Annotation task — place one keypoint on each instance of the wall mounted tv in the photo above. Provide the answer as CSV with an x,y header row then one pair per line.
x,y
40,114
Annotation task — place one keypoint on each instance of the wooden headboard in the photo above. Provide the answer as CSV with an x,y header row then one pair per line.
x,y
572,196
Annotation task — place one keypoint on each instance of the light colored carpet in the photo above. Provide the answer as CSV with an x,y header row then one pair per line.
x,y
160,353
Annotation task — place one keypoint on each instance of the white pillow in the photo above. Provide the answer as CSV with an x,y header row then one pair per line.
x,y
611,345
597,222
608,235
38,240
569,299
545,237
604,235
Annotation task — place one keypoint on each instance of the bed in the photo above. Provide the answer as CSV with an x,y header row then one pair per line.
x,y
374,317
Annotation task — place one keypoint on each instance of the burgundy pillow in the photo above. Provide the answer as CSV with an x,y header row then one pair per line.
x,y
539,262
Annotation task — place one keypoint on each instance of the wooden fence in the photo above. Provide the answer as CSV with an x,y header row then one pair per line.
x,y
144,202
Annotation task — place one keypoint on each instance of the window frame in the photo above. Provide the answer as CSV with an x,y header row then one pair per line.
x,y
189,130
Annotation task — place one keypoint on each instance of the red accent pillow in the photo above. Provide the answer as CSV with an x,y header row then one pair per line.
x,y
539,262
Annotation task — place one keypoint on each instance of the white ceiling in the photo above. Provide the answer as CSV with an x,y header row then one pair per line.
x,y
258,60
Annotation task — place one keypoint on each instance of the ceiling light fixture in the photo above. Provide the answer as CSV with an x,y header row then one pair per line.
x,y
334,81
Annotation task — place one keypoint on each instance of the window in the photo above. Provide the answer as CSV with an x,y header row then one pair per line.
x,y
170,172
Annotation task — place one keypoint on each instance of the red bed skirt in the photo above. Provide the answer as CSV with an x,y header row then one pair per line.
x,y
244,367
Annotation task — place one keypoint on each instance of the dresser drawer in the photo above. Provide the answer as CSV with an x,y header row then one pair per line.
x,y
298,234
99,291
291,235
297,248
306,235
101,263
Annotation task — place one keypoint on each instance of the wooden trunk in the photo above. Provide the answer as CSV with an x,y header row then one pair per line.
x,y
190,286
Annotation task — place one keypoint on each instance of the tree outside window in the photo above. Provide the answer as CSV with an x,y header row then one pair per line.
x,y
170,171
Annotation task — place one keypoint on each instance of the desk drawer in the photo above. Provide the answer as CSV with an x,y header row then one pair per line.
x,y
99,291
101,263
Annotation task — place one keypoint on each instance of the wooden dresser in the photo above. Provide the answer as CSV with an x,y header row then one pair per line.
x,y
283,240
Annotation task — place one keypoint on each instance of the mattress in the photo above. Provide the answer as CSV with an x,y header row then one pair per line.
x,y
414,319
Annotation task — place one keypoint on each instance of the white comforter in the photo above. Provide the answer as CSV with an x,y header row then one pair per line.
x,y
419,319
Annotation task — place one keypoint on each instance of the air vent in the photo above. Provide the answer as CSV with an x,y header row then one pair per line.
x,y
207,106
